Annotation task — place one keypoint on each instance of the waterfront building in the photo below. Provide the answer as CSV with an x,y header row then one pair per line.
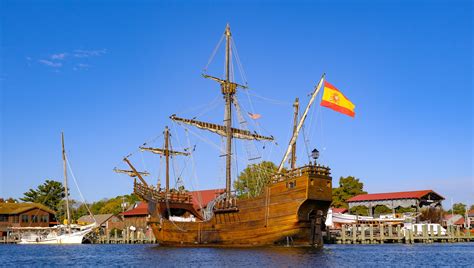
x,y
409,199
456,220
470,218
25,215
106,222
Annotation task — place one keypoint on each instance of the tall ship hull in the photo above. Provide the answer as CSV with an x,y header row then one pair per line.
x,y
291,211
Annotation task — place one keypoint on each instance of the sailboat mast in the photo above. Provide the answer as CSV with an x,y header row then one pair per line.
x,y
296,105
66,190
228,90
167,156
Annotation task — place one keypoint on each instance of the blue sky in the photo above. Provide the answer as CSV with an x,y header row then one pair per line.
x,y
109,73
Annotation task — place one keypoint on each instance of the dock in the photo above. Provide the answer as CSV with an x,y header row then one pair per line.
x,y
128,238
382,233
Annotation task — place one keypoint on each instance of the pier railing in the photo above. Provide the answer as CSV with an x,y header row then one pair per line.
x,y
383,233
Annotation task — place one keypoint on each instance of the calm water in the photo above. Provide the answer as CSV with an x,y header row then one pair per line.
x,y
392,255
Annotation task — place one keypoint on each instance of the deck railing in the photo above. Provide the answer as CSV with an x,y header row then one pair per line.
x,y
308,169
157,195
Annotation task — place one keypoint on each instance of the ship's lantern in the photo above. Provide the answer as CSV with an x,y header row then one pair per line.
x,y
315,154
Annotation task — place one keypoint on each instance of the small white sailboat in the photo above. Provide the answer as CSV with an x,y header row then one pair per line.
x,y
60,234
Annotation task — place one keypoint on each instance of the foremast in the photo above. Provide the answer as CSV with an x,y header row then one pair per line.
x,y
167,152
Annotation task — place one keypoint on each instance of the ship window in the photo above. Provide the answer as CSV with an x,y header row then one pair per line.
x,y
3,218
24,218
291,184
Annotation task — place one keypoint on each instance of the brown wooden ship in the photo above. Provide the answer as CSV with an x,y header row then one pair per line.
x,y
289,211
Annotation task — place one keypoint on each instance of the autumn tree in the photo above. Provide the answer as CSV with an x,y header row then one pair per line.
x,y
253,179
348,187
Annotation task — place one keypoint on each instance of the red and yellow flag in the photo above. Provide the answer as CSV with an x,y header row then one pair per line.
x,y
334,99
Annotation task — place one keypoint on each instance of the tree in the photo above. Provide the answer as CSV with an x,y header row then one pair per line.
x,y
458,208
348,187
381,209
472,207
49,194
253,179
360,210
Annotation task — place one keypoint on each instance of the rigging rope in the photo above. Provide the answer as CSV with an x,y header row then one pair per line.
x,y
79,190
213,53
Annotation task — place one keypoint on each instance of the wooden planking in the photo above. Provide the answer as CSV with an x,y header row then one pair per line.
x,y
267,219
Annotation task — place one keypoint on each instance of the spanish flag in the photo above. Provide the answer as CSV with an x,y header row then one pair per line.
x,y
334,99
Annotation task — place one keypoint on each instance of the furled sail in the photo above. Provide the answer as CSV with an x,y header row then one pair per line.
x,y
221,130
131,173
162,151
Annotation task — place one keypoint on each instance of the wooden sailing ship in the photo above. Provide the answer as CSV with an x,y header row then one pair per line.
x,y
289,211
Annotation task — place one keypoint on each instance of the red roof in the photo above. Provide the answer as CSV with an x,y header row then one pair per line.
x,y
339,210
389,196
141,209
200,198
203,197
459,221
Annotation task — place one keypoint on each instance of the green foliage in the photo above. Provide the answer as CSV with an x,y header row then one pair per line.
x,y
253,179
348,187
404,210
458,208
360,210
105,206
49,194
380,210
472,207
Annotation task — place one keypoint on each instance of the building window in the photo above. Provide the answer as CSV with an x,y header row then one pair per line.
x,y
34,218
24,218
3,218
16,219
44,218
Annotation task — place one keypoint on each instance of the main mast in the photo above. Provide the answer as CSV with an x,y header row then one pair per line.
x,y
66,190
228,90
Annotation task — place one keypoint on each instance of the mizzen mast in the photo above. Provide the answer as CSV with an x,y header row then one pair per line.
x,y
300,123
296,105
